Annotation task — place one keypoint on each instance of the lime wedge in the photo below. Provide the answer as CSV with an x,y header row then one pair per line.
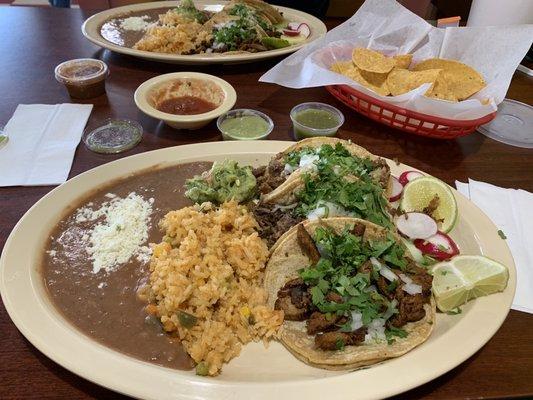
x,y
464,278
418,194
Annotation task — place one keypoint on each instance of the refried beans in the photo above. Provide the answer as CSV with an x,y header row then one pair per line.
x,y
104,305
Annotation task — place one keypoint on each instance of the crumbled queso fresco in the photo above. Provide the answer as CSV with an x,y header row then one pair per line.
x,y
121,234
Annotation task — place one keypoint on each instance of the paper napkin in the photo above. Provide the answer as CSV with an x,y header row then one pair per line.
x,y
511,211
42,141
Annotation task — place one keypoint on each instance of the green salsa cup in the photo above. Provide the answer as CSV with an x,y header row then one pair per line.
x,y
244,124
315,119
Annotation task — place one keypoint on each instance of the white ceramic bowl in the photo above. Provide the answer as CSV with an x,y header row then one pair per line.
x,y
194,121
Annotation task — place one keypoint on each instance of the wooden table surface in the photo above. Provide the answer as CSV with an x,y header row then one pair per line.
x,y
34,40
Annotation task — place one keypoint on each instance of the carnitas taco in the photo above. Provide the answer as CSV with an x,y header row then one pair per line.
x,y
350,294
326,178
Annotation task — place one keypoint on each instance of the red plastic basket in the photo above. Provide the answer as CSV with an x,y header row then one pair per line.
x,y
403,119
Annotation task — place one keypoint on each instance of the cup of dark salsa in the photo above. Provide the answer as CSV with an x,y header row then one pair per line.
x,y
185,100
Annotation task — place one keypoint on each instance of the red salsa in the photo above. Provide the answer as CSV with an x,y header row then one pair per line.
x,y
185,105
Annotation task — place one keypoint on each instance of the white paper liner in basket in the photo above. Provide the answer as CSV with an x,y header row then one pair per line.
x,y
388,27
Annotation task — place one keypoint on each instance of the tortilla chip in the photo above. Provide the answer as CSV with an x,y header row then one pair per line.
x,y
462,81
441,90
401,81
372,61
373,81
403,60
341,67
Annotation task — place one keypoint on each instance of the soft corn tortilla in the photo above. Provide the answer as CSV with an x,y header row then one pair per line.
x,y
284,264
285,193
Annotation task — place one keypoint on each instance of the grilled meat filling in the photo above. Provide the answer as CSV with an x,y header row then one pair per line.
x,y
294,300
307,244
271,176
337,340
273,222
319,322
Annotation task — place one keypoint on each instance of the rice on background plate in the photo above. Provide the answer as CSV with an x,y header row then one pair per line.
x,y
208,273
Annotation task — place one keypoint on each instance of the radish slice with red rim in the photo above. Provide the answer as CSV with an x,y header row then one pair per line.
x,y
290,32
397,189
416,225
408,176
304,30
439,246
293,26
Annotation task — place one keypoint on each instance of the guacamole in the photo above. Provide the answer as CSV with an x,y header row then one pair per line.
x,y
223,182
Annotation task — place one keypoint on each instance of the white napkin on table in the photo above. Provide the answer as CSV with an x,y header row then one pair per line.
x,y
511,210
42,141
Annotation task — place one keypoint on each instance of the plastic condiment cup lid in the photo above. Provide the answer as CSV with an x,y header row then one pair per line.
x,y
81,71
114,136
242,112
512,124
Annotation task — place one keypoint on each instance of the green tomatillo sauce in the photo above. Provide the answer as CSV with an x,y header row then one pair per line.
x,y
316,119
245,127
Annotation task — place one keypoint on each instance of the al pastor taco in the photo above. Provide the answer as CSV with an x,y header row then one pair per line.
x,y
350,295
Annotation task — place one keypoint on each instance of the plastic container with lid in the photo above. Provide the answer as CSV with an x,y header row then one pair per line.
x,y
84,78
315,119
245,124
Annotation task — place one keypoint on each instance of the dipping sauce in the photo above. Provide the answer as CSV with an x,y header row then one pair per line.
x,y
244,124
186,96
315,119
106,306
84,78
186,105
248,126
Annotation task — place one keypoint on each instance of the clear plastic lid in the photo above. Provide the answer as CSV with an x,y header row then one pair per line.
x,y
513,124
115,136
81,71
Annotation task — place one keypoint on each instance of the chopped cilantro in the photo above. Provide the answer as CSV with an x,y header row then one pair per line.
x,y
501,234
394,332
341,273
444,272
454,311
391,287
339,344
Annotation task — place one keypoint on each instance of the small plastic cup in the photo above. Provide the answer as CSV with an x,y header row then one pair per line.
x,y
302,131
84,78
245,112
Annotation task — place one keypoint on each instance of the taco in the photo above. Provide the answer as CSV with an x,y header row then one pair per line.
x,y
334,178
284,172
350,295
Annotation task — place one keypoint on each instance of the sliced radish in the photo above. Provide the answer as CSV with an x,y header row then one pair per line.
x,y
290,32
304,30
408,176
416,225
293,26
397,189
439,246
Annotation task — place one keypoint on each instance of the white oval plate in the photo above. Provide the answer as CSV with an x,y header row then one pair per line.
x,y
91,30
257,373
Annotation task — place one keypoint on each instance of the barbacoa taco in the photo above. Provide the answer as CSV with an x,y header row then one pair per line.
x,y
323,177
350,295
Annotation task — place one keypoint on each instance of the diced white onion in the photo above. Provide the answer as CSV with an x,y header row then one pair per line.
x,y
405,278
337,169
308,161
357,321
385,271
376,331
412,288
317,213
289,169
371,288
